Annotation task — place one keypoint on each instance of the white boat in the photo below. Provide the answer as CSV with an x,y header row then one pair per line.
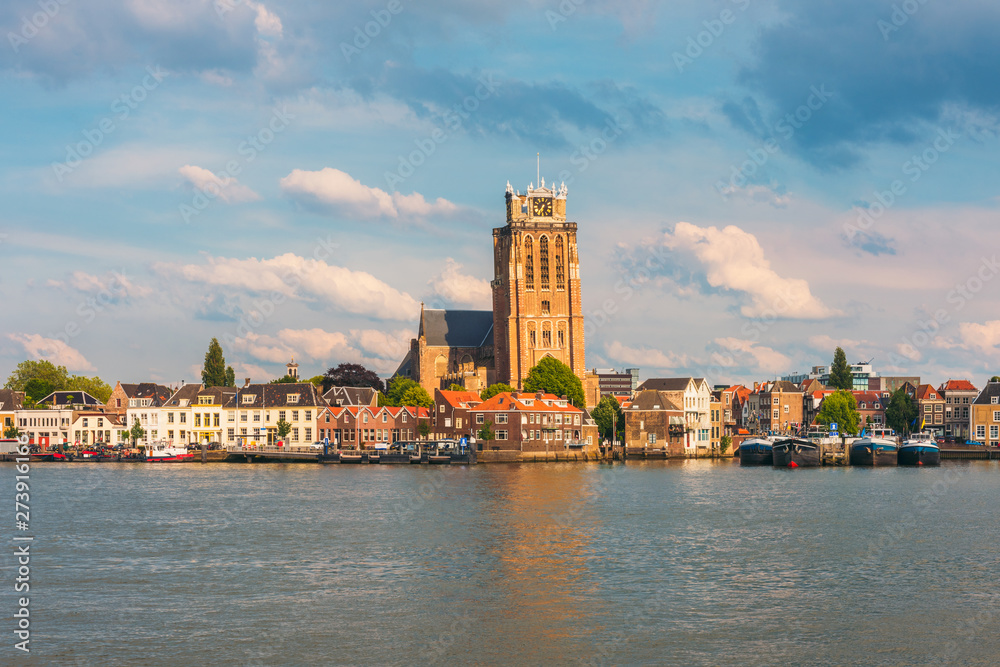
x,y
161,453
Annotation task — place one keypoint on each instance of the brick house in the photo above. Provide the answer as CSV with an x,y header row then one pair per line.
x,y
357,426
692,395
654,421
451,414
143,394
781,407
871,408
529,422
985,419
930,406
958,398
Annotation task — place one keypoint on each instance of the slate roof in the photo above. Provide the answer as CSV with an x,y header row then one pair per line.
x,y
785,387
57,398
223,396
457,328
666,384
188,391
11,400
653,400
351,396
989,391
276,395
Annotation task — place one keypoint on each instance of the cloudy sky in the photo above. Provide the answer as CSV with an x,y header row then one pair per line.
x,y
755,181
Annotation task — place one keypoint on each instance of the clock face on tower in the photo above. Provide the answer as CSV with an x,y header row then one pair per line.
x,y
541,206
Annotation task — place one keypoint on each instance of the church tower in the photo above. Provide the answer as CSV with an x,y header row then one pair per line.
x,y
537,309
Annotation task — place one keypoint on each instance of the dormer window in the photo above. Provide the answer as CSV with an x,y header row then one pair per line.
x,y
995,400
293,398
133,403
145,403
204,400
249,398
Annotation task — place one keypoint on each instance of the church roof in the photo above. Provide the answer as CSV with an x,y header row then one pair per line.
x,y
457,328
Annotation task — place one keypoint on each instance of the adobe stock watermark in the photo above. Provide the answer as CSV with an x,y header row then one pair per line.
x,y
915,167
248,149
899,17
714,28
31,27
364,34
91,307
586,154
453,119
786,127
566,9
121,107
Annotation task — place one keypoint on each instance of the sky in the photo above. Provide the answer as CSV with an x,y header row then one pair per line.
x,y
755,181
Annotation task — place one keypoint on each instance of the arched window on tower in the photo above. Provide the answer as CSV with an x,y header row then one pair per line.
x,y
440,366
529,264
543,262
546,335
560,273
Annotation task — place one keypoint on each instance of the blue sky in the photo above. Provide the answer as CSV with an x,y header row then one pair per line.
x,y
755,181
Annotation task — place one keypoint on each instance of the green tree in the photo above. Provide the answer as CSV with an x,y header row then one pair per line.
x,y
486,432
317,380
554,377
995,378
94,386
495,389
284,379
351,375
608,415
725,443
56,376
11,432
214,372
455,387
137,432
230,377
417,397
36,389
840,408
424,427
901,412
840,372
282,428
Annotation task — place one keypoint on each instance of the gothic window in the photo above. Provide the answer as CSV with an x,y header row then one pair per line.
x,y
562,338
560,274
440,366
529,264
531,338
546,335
543,262
545,307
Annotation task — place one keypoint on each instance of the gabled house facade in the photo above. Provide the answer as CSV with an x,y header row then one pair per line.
x,y
526,422
930,406
959,396
985,419
451,414
654,421
693,396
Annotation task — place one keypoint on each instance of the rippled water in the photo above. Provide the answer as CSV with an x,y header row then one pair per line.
x,y
676,563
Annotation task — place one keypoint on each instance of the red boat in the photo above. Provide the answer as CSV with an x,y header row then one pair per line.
x,y
167,454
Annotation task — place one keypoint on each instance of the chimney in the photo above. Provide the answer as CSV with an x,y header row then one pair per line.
x,y
539,395
246,383
563,397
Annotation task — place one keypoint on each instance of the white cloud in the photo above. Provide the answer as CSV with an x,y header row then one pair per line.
x,y
379,350
293,277
983,338
644,357
116,284
758,193
266,22
733,259
230,191
340,193
54,350
765,359
459,289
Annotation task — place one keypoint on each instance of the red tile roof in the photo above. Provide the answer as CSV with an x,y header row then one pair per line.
x,y
460,399
957,385
506,401
924,392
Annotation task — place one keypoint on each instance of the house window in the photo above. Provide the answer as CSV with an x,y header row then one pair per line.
x,y
996,416
447,422
994,400
170,435
775,401
308,417
385,418
786,412
243,417
441,410
230,433
184,418
480,419
994,432
231,416
281,415
366,417
501,419
295,415
775,415
256,416
501,435
293,398
309,434
652,438
249,398
295,434
170,417
197,419
980,431
215,419
404,417
204,400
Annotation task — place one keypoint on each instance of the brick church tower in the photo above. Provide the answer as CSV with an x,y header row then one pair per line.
x,y
537,310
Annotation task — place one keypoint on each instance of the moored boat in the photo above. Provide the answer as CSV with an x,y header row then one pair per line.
x,y
400,452
440,452
351,456
919,450
873,451
161,453
756,452
795,453
374,453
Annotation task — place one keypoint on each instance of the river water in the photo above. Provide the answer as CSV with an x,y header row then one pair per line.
x,y
669,563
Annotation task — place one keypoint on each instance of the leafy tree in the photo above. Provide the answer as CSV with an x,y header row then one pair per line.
x,y
317,380
486,432
553,376
214,373
995,378
842,409
840,372
455,387
94,386
284,379
901,411
725,443
495,389
608,414
230,377
352,375
11,432
56,376
423,427
403,391
137,432
282,428
36,389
